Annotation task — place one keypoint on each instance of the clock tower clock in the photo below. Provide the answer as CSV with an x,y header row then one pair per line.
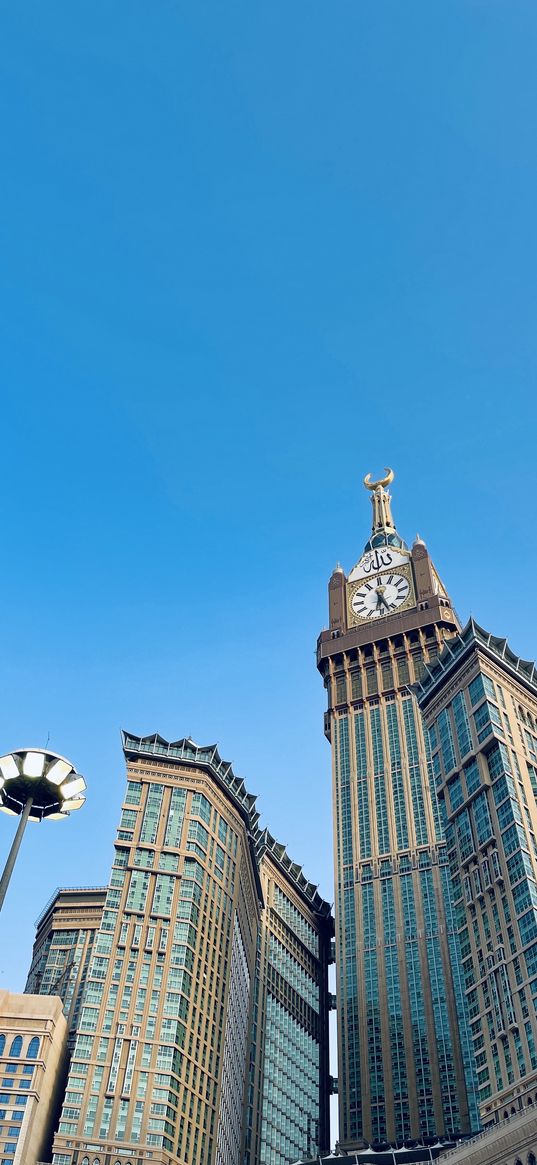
x,y
405,1062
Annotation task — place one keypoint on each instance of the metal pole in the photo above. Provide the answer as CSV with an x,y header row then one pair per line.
x,y
12,856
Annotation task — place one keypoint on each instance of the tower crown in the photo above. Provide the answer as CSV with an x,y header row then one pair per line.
x,y
383,532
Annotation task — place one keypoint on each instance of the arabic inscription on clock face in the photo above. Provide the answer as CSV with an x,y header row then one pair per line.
x,y
375,561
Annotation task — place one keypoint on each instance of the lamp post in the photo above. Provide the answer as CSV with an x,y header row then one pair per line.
x,y
34,784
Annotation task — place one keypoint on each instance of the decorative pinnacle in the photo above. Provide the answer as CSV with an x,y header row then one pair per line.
x,y
382,514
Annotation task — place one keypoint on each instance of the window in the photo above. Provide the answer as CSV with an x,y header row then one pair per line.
x,y
2,1045
33,1048
16,1046
151,818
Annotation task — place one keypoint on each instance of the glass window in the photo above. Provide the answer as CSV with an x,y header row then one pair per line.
x,y
462,725
134,793
136,897
16,1046
128,819
201,807
476,690
446,740
151,818
176,814
33,1048
456,795
168,861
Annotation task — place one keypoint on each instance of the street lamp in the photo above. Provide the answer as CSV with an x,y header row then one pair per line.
x,y
34,784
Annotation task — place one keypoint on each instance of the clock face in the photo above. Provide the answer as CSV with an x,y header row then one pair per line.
x,y
380,595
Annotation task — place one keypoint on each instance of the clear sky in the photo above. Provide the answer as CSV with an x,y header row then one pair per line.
x,y
249,252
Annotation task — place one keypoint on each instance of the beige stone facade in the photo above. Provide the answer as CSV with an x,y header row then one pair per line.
x,y
33,1035
511,1142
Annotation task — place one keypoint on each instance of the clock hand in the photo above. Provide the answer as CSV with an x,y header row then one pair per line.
x,y
380,598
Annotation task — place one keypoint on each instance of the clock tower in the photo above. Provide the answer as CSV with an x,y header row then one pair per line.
x,y
405,1061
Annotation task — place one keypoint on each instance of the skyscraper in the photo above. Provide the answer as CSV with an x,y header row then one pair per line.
x,y
202,1035
287,1112
405,1062
63,946
480,703
159,1063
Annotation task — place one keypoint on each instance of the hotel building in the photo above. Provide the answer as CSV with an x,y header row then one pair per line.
x,y
405,1059
63,947
288,1100
479,701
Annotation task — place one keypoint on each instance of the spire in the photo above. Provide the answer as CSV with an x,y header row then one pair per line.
x,y
383,532
382,514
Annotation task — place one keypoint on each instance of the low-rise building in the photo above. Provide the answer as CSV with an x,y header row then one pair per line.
x,y
33,1038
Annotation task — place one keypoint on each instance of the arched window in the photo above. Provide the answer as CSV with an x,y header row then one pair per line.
x,y
2,1045
532,1160
33,1048
530,1099
16,1046
506,1115
85,1161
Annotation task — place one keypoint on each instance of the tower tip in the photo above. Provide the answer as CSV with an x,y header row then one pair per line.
x,y
382,481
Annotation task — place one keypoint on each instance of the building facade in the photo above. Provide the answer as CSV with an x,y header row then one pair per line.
x,y
33,1035
480,704
405,1060
513,1142
63,947
159,1063
287,1112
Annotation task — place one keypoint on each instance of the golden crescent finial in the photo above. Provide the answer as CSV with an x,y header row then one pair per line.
x,y
383,480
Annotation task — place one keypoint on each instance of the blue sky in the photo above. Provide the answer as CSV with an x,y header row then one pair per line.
x,y
248,253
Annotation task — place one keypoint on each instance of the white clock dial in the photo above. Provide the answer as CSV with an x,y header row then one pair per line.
x,y
380,595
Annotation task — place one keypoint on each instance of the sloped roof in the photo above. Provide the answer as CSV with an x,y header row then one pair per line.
x,y
265,842
470,637
206,756
261,840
